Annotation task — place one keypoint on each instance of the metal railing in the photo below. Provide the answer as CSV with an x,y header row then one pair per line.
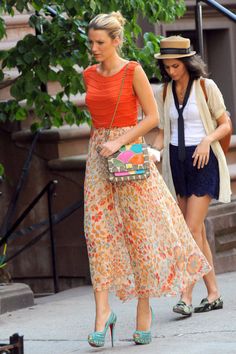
x,y
15,346
49,190
198,19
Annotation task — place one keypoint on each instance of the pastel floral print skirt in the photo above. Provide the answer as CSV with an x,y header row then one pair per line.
x,y
138,242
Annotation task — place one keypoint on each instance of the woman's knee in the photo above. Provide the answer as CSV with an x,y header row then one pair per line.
x,y
196,232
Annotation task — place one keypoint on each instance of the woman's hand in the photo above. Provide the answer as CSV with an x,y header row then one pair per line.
x,y
110,147
154,155
202,153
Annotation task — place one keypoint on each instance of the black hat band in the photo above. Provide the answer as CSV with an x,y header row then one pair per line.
x,y
175,50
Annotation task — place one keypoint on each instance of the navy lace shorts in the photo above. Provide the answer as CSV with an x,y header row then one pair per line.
x,y
189,180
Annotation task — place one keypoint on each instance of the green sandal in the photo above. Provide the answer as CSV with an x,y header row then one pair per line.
x,y
206,306
182,308
143,337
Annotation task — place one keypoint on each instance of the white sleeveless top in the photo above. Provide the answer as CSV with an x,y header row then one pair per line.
x,y
193,127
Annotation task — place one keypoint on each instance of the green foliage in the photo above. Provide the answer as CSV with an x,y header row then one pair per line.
x,y
1,170
2,28
60,47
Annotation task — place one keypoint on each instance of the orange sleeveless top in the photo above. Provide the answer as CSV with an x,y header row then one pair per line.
x,y
102,95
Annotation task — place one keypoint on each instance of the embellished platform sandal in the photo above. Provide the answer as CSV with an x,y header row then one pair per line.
x,y
97,339
143,337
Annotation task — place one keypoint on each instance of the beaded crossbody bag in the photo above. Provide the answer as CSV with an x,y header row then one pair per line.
x,y
131,161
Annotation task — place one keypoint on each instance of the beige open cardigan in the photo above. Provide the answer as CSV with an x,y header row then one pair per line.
x,y
209,112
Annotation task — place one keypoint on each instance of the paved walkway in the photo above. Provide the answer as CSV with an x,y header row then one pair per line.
x,y
59,324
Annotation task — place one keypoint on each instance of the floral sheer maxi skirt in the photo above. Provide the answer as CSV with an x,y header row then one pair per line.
x,y
138,242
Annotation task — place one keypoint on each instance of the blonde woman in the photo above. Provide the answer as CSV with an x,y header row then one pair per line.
x,y
138,243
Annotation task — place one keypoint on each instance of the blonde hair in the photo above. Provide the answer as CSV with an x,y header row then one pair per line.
x,y
112,23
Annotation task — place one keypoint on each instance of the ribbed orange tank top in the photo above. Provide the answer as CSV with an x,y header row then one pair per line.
x,y
102,95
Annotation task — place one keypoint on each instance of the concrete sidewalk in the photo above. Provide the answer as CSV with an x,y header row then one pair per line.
x,y
59,324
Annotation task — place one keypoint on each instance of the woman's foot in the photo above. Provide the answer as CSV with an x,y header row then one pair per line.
x,y
212,296
183,308
206,305
184,305
97,338
143,335
101,319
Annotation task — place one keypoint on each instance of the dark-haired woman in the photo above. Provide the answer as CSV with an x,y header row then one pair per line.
x,y
194,165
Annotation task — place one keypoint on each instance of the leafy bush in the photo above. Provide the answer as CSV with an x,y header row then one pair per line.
x,y
60,47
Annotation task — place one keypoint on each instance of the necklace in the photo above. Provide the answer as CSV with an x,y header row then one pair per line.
x,y
181,93
181,87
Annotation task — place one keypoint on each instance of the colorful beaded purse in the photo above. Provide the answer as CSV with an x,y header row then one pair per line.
x,y
131,161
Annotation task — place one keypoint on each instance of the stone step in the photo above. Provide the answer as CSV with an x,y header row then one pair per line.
x,y
5,85
221,232
69,163
14,296
57,142
231,154
17,27
66,132
232,172
217,207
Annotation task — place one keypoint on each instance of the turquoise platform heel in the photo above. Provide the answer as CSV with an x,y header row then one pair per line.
x,y
143,337
97,339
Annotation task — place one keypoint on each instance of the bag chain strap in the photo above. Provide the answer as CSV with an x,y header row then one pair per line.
x,y
117,103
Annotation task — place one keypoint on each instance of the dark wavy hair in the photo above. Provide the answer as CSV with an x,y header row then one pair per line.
x,y
195,66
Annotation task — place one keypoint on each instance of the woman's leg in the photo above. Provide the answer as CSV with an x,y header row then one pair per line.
x,y
143,319
196,211
210,278
103,309
182,202
187,294
143,335
104,319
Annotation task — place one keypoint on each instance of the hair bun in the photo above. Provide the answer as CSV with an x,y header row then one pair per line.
x,y
118,16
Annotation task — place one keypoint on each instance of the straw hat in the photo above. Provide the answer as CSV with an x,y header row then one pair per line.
x,y
174,47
